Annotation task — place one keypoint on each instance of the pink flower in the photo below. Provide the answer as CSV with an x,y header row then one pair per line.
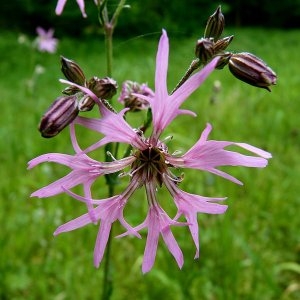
x,y
45,40
129,98
150,166
190,205
107,211
158,222
208,154
84,171
61,4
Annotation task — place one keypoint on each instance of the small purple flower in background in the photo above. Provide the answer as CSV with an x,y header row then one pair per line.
x,y
45,41
150,166
129,97
61,4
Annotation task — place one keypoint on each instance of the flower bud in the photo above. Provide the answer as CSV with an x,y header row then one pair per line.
x,y
222,44
72,71
204,50
86,103
215,25
59,115
104,88
223,60
133,102
71,90
252,70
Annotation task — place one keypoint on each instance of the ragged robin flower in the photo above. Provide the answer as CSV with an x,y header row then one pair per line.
x,y
151,166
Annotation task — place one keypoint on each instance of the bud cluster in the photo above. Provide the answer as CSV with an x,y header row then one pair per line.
x,y
66,108
210,45
244,66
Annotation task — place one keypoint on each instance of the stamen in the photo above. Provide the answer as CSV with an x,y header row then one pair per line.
x,y
132,172
174,178
108,153
138,131
123,174
176,152
167,139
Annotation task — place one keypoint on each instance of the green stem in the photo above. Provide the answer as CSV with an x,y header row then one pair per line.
x,y
118,10
193,66
108,29
108,26
107,282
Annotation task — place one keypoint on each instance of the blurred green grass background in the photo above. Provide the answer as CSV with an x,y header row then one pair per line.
x,y
251,252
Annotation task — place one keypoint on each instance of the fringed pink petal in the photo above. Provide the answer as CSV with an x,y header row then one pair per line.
x,y
81,7
69,181
162,58
172,245
194,82
74,224
60,6
101,242
151,244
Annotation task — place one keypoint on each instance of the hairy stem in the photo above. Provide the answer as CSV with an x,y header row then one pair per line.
x,y
193,66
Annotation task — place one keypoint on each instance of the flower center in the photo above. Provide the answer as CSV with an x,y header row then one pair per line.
x,y
150,164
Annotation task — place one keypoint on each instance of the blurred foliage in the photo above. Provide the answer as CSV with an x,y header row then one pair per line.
x,y
148,16
267,13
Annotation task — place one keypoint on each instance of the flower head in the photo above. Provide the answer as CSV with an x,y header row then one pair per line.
x,y
45,40
150,165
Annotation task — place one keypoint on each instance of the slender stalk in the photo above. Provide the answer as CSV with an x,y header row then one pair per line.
x,y
107,282
193,66
108,26
118,10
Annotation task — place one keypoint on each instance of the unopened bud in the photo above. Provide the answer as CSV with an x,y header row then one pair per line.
x,y
104,88
71,90
204,50
72,71
133,102
252,70
86,103
59,115
222,44
223,60
215,25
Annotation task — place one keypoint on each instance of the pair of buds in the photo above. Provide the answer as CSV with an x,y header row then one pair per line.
x,y
66,108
